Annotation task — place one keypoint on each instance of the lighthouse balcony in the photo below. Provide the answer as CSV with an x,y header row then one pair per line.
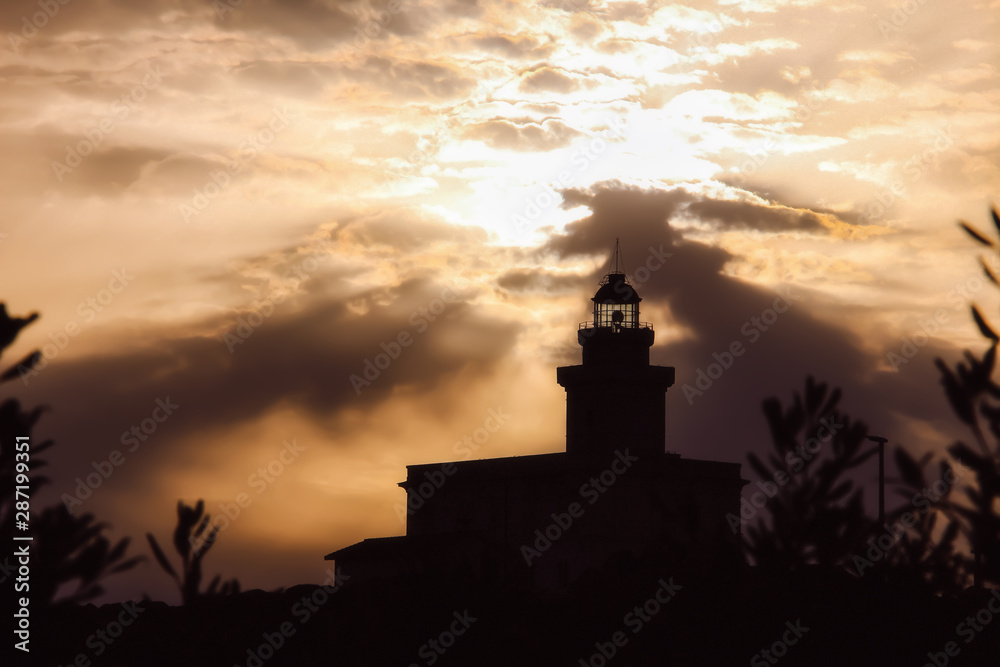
x,y
589,324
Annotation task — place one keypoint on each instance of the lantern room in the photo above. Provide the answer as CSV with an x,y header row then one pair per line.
x,y
616,304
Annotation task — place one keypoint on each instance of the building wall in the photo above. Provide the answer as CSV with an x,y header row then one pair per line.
x,y
518,505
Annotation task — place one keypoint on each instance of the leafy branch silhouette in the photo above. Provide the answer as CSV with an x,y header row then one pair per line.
x,y
192,523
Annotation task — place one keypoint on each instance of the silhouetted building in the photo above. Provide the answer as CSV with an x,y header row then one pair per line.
x,y
543,520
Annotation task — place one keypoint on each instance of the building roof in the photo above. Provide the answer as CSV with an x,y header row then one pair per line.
x,y
667,464
615,288
374,548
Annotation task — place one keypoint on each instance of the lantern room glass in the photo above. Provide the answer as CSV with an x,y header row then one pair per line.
x,y
604,315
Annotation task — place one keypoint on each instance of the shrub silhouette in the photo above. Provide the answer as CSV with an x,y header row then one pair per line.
x,y
923,559
816,516
975,400
66,548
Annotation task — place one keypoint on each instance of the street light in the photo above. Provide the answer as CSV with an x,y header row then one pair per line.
x,y
881,475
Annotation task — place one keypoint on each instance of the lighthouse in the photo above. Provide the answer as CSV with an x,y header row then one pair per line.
x,y
541,521
615,397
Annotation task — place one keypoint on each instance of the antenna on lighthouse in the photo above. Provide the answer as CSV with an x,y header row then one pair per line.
x,y
617,262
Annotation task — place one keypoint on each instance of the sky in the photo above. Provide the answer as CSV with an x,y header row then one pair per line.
x,y
281,250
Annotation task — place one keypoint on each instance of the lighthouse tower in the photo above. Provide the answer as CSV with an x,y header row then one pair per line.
x,y
615,398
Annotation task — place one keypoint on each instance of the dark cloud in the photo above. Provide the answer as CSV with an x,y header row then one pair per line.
x,y
750,215
643,212
700,312
89,162
113,169
302,354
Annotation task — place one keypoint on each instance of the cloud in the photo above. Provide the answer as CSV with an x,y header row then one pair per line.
x,y
750,215
315,349
512,46
412,80
547,79
523,135
405,231
311,23
532,280
302,79
700,312
643,212
27,18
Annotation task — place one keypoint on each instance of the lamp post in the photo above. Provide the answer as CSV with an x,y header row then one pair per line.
x,y
881,475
